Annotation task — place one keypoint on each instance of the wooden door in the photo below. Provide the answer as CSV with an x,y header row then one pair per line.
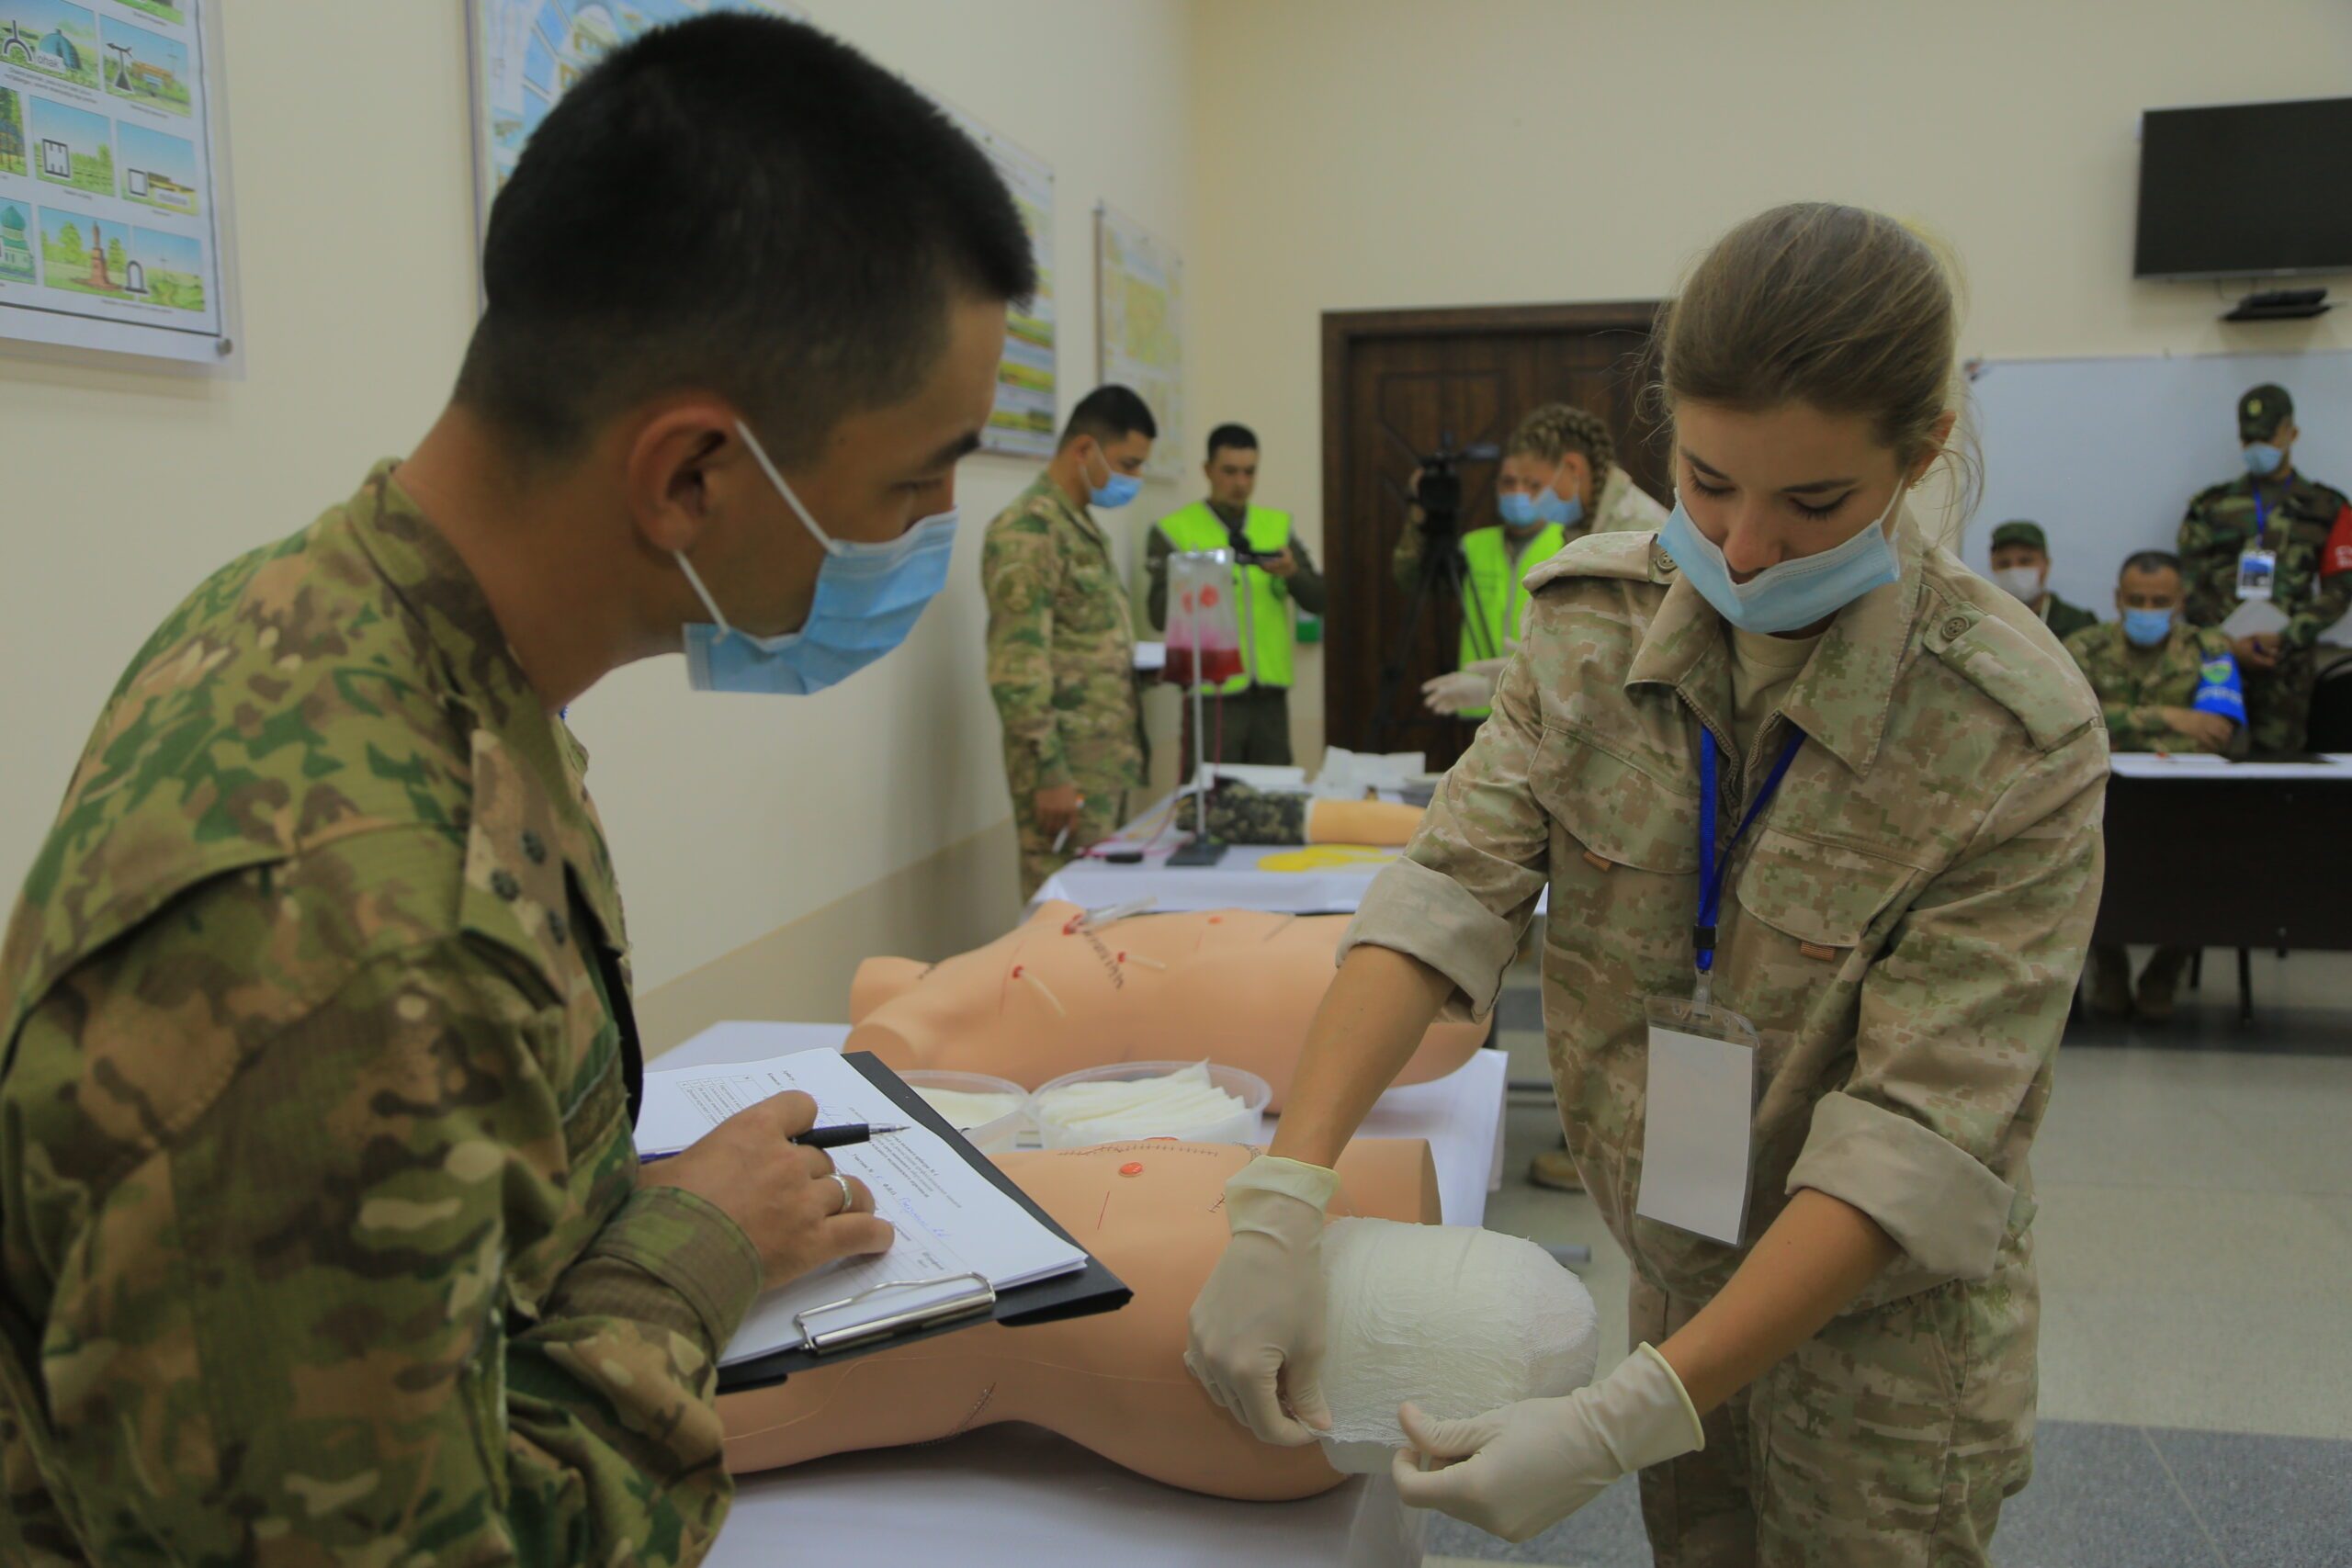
x,y
1397,383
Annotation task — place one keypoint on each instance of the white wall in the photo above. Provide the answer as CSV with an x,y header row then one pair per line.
x,y
1355,154
730,817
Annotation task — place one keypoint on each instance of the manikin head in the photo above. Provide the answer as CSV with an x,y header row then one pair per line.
x,y
1457,1320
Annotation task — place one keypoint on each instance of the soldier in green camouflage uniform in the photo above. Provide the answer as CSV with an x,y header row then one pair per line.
x,y
322,1234
328,924
2179,693
1061,639
2309,524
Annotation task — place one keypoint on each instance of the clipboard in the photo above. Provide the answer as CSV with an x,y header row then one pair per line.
x,y
1093,1289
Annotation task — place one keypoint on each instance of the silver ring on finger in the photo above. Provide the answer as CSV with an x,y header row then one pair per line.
x,y
849,1199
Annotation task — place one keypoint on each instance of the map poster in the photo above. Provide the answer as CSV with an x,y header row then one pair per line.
x,y
527,53
109,205
1140,294
1024,421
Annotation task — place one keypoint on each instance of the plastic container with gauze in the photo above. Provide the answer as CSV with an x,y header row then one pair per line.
x,y
1199,1102
990,1111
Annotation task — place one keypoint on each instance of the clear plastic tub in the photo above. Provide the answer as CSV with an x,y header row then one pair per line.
x,y
1244,1125
995,1136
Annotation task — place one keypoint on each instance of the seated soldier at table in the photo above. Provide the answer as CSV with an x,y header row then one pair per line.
x,y
2163,687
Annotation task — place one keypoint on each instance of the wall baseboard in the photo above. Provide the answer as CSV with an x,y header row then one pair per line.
x,y
967,895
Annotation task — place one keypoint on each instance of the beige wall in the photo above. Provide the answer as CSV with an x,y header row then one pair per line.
x,y
1356,155
733,820
1304,154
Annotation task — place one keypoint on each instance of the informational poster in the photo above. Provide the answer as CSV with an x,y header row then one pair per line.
x,y
109,220
527,53
1139,335
1023,420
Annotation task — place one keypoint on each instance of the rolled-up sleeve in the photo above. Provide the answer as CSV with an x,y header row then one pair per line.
x,y
1960,1022
1469,881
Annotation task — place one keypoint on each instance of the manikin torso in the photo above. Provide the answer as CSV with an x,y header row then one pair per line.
x,y
1116,1382
1236,986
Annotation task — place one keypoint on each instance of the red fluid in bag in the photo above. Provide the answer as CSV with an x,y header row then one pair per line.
x,y
1218,665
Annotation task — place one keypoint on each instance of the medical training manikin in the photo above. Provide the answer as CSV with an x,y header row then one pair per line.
x,y
1457,1320
1053,996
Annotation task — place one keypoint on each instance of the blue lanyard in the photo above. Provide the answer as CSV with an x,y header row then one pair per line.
x,y
1711,871
2261,516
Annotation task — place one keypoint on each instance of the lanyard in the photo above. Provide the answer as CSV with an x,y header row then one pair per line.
x,y
1711,871
2261,516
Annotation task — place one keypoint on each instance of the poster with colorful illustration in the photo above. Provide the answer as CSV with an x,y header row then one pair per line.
x,y
109,207
1139,332
527,53
1024,421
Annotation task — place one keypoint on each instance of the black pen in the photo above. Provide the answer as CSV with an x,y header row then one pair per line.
x,y
840,1137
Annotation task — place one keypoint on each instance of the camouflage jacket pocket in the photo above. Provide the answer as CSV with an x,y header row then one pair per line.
x,y
1625,857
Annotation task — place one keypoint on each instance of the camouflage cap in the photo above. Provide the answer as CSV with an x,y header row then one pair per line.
x,y
2262,409
2018,531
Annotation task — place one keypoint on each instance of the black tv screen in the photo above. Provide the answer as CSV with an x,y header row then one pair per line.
x,y
2246,190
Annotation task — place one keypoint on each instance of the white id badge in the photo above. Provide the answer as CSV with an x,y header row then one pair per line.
x,y
1697,1129
2258,570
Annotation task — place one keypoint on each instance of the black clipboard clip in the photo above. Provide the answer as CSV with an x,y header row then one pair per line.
x,y
978,1301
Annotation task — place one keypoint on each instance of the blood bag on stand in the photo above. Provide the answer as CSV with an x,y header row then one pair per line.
x,y
1204,652
1203,637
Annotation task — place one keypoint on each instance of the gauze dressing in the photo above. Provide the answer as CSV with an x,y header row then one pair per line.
x,y
1454,1319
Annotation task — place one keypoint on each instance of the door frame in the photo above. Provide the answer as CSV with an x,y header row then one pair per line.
x,y
1343,330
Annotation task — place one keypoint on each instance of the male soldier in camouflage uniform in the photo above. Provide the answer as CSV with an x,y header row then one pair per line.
x,y
1061,638
2020,563
2309,526
2162,686
323,1237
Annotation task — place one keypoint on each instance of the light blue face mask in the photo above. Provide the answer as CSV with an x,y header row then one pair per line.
x,y
868,598
1795,593
1545,507
1117,490
2147,628
2261,457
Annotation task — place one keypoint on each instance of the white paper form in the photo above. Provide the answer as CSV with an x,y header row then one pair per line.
x,y
950,1218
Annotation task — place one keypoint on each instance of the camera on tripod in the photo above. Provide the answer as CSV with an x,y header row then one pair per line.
x,y
1439,492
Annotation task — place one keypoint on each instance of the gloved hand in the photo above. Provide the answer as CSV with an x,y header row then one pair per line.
x,y
1472,686
1257,1329
1518,1470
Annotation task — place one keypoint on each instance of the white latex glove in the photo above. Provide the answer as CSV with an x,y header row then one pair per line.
x,y
1257,1329
1521,1468
1472,686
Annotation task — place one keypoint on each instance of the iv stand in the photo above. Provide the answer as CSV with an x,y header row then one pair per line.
x,y
1204,851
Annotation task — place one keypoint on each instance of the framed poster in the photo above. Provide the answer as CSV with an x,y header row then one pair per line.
x,y
114,178
1023,420
527,53
1140,331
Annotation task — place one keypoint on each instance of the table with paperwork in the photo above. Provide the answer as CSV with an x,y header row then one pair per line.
x,y
1013,1494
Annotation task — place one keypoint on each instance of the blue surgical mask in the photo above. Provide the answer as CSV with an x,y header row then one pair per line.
x,y
2147,628
1795,593
868,598
2261,457
1521,511
1117,490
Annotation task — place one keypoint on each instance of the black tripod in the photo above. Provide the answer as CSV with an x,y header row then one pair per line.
x,y
1443,575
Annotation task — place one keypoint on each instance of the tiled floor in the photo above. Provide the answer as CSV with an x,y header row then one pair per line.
x,y
2196,1252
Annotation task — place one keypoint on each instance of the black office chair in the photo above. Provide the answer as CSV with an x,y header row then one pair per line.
x,y
2330,727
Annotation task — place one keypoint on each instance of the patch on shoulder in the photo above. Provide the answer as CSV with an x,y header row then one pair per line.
x,y
1634,557
2045,692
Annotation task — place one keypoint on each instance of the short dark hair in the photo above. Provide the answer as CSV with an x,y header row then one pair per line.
x,y
739,203
2149,561
1226,435
1109,413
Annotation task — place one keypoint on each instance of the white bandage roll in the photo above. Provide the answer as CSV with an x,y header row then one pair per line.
x,y
1457,1320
